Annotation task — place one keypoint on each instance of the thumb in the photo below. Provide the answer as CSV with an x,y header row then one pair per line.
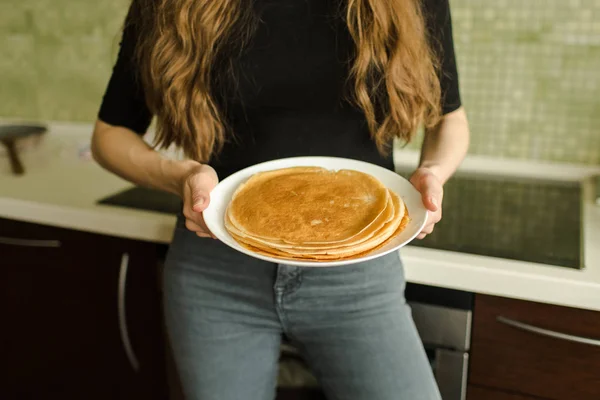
x,y
431,193
431,202
200,200
199,193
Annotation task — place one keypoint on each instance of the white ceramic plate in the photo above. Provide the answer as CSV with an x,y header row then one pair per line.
x,y
221,196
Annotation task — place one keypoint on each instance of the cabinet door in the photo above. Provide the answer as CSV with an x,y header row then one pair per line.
x,y
536,349
62,335
139,310
478,393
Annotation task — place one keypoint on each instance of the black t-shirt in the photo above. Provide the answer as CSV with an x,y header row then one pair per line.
x,y
290,96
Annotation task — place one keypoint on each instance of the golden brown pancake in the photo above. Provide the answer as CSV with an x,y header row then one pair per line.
x,y
382,235
290,257
356,245
313,214
365,234
307,205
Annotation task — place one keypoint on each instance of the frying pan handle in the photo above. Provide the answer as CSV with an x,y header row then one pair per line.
x,y
15,163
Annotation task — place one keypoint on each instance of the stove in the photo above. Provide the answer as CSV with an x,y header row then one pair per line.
x,y
526,220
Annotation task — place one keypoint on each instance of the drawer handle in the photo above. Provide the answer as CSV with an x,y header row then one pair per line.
x,y
547,332
29,242
122,286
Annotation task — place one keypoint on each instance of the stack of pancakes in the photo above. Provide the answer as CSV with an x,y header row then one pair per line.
x,y
314,214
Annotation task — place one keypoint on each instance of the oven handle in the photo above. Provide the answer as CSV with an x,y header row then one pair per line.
x,y
451,369
547,332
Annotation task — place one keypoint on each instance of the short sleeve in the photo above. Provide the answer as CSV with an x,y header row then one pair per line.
x,y
123,103
439,26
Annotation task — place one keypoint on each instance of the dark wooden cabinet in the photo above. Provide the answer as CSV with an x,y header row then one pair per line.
x,y
81,316
522,359
479,393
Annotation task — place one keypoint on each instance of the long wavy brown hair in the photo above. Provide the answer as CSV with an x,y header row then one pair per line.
x,y
184,46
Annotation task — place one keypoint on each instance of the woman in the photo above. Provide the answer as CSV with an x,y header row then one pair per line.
x,y
237,82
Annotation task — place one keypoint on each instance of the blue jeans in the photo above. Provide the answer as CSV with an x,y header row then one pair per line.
x,y
226,313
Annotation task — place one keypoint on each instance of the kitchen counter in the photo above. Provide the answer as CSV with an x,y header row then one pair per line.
x,y
61,188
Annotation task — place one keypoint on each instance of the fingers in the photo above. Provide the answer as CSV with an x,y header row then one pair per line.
x,y
196,198
199,184
434,218
428,229
430,187
431,202
425,231
198,227
194,204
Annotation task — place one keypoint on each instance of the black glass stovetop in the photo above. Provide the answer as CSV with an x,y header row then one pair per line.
x,y
527,220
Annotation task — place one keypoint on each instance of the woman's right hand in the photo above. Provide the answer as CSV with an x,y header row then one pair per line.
x,y
195,192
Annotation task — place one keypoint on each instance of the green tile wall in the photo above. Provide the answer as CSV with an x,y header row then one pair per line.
x,y
55,56
530,69
530,77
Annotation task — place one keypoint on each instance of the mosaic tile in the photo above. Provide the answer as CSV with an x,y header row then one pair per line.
x,y
529,70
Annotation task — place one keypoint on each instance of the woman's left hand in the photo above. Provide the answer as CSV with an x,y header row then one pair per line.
x,y
432,191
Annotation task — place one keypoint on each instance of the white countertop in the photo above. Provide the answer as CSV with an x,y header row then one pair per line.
x,y
60,189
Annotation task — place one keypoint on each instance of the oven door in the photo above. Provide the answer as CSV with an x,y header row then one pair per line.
x,y
450,368
446,335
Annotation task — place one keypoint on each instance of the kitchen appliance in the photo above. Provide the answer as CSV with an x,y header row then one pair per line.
x,y
10,135
518,219
443,319
140,198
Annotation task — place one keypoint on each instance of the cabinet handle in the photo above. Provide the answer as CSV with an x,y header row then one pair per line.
x,y
29,242
547,332
122,286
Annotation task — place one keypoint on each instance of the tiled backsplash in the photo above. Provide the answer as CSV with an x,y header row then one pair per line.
x,y
530,69
531,76
56,55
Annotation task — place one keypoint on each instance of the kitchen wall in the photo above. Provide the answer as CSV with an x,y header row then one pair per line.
x,y
530,69
530,77
56,55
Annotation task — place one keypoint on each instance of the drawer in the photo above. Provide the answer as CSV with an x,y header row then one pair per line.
x,y
24,243
31,230
524,359
479,393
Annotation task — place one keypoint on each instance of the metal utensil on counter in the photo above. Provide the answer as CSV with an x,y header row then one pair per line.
x,y
10,135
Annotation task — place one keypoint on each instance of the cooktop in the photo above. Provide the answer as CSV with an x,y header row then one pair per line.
x,y
141,198
527,220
